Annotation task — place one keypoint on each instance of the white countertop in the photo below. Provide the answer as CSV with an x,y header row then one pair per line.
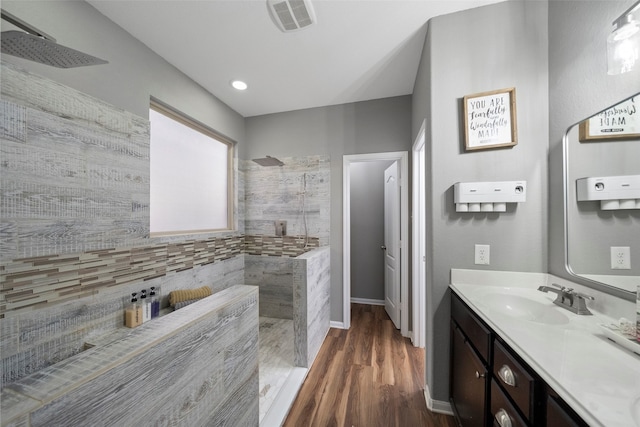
x,y
599,379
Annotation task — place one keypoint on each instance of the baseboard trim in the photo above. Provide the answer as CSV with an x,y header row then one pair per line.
x,y
437,406
367,301
337,325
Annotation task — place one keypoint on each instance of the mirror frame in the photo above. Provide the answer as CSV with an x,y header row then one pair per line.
x,y
605,287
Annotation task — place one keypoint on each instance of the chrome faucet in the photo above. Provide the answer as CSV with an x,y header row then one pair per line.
x,y
568,298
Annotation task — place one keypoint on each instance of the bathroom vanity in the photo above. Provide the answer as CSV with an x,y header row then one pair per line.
x,y
519,360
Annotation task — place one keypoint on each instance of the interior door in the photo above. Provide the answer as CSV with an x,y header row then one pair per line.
x,y
392,242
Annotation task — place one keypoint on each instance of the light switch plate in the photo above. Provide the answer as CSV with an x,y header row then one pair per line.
x,y
620,258
482,254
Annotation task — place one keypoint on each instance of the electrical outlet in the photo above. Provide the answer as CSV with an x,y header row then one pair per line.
x,y
482,254
620,258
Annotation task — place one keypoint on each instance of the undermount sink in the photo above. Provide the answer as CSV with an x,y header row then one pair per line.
x,y
524,308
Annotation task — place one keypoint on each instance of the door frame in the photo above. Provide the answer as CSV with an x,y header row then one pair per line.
x,y
419,236
347,160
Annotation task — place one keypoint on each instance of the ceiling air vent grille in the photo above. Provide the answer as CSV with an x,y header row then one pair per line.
x,y
291,15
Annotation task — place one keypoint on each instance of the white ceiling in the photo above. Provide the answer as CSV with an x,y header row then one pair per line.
x,y
358,49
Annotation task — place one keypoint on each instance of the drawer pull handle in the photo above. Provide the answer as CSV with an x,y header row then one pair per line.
x,y
479,375
503,419
507,376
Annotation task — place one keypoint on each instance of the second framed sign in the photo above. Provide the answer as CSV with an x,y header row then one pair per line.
x,y
490,119
622,121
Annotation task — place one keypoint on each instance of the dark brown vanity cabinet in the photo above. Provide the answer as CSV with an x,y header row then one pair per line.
x,y
559,414
491,386
468,381
470,373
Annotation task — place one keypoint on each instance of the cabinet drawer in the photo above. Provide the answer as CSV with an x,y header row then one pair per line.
x,y
472,326
515,379
502,412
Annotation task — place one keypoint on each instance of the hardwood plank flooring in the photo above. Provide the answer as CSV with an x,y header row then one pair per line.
x,y
365,377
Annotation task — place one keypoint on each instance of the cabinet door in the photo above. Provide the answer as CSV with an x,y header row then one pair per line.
x,y
559,416
468,382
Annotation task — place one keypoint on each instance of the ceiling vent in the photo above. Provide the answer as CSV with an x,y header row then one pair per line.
x,y
291,15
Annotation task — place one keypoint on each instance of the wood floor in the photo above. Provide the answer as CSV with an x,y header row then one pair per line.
x,y
364,377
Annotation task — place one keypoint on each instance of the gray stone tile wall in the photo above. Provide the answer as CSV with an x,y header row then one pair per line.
x,y
74,222
312,305
192,367
297,192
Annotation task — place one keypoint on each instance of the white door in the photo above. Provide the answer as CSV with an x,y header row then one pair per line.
x,y
392,242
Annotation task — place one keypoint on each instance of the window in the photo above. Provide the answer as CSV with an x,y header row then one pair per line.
x,y
191,179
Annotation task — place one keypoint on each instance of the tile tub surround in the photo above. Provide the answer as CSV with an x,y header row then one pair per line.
x,y
196,366
595,376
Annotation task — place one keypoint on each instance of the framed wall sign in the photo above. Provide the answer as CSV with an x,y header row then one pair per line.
x,y
490,119
622,121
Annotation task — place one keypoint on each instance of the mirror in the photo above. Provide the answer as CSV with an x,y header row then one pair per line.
x,y
605,148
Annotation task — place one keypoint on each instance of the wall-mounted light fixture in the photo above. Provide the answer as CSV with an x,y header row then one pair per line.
x,y
623,44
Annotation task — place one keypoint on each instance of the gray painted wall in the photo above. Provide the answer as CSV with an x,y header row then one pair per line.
x,y
364,127
367,229
493,47
579,87
134,72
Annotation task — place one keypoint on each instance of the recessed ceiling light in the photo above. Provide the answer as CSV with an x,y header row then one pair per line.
x,y
239,84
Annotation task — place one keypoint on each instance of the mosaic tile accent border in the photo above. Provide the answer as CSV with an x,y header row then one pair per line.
x,y
42,281
38,282
288,246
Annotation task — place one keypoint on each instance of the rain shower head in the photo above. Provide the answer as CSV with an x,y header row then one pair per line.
x,y
35,45
268,161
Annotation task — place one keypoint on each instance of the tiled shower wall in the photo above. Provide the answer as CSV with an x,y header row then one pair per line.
x,y
74,221
75,170
297,192
298,289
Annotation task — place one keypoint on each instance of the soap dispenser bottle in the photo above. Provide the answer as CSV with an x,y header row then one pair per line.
x,y
146,306
155,303
133,312
638,315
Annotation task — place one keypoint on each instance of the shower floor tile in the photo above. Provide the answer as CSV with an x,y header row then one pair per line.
x,y
276,358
